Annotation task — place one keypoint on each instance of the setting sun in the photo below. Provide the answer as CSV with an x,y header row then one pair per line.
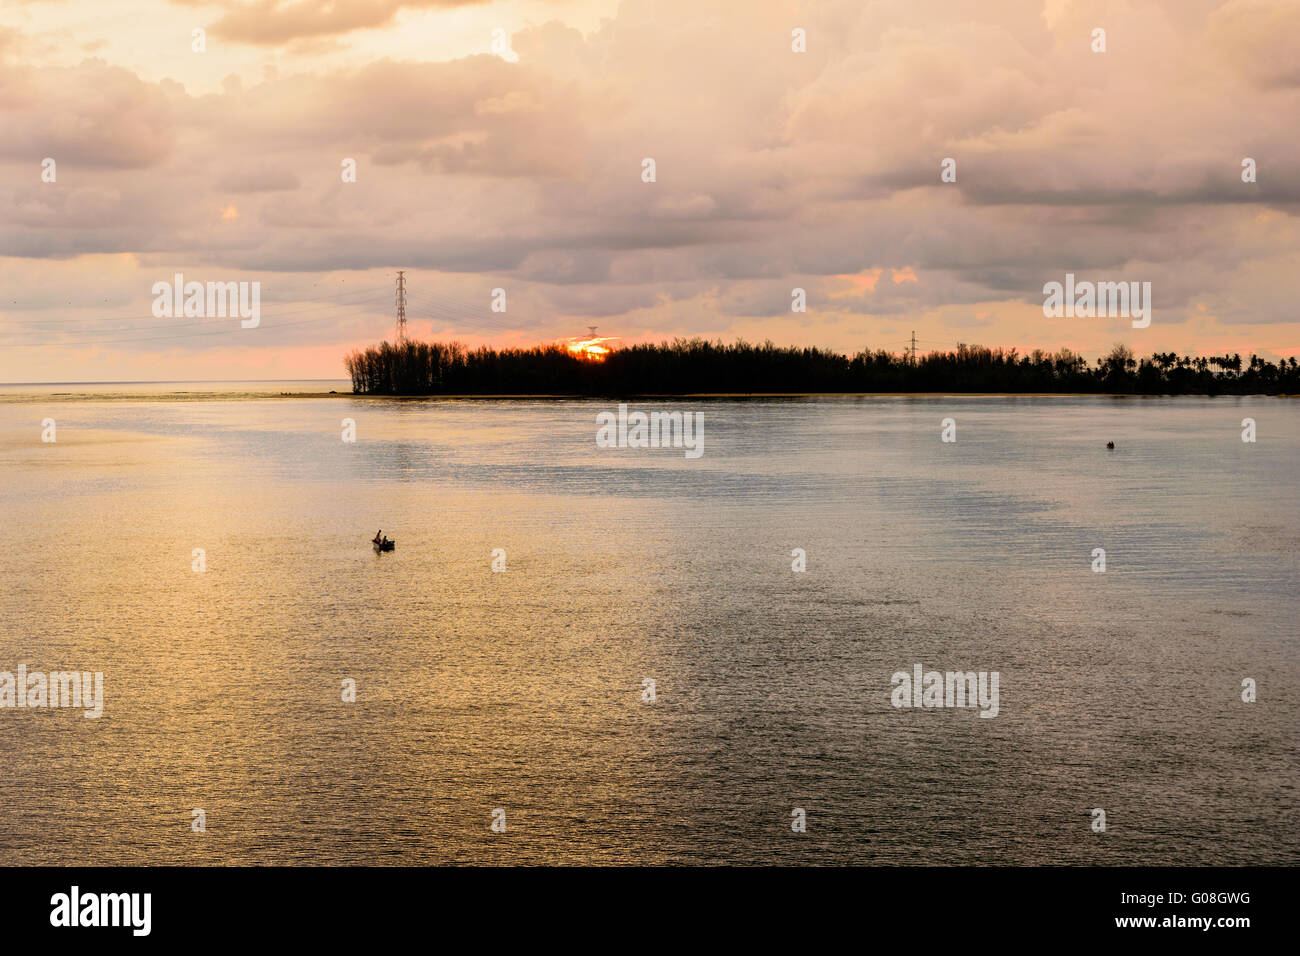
x,y
590,349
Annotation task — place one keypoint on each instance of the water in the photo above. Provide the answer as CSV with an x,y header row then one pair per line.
x,y
523,690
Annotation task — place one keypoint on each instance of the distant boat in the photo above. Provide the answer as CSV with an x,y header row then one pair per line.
x,y
384,545
1110,444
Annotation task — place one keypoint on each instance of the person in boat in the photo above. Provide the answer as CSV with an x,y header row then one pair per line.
x,y
377,535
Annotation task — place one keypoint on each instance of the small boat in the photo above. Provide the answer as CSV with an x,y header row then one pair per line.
x,y
1110,444
384,545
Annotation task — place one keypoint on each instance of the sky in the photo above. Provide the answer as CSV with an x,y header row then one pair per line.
x,y
503,146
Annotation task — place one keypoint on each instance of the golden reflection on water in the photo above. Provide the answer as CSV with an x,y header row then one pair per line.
x,y
523,690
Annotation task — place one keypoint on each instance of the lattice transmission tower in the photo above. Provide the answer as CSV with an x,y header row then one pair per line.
x,y
401,307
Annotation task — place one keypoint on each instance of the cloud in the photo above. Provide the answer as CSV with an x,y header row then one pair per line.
x,y
91,116
259,180
775,169
276,22
1258,39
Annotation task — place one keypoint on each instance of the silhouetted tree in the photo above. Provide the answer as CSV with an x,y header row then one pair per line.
x,y
695,366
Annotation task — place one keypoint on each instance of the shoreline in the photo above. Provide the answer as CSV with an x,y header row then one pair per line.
x,y
670,396
216,396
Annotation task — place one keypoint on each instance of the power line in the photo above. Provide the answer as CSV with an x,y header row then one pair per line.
x,y
366,295
459,314
88,335
183,335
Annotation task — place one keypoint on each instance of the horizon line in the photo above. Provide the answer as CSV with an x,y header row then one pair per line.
x,y
182,381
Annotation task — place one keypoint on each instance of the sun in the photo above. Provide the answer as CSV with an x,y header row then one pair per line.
x,y
591,349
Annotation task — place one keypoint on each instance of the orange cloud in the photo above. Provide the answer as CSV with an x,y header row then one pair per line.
x,y
275,22
859,284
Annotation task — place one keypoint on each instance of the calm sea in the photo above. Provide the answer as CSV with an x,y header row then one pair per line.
x,y
525,691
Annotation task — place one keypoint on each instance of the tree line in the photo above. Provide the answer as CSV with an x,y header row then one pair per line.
x,y
697,365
